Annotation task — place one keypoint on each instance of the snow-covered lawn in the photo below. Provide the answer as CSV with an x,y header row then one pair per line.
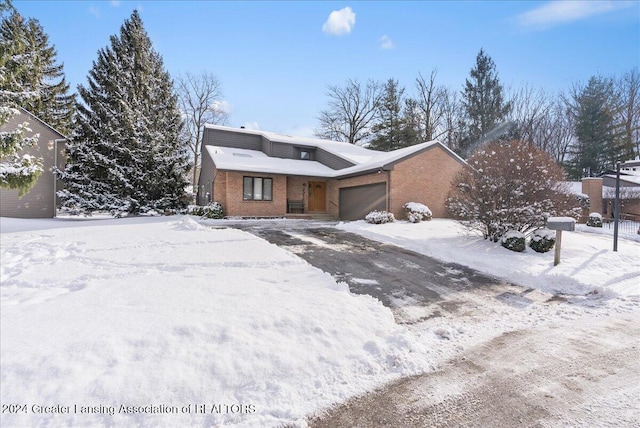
x,y
157,312
587,264
151,318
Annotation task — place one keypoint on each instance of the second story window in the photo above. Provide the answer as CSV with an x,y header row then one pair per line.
x,y
305,155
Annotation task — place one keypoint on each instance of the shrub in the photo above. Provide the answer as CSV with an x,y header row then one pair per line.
x,y
542,240
510,186
380,217
594,220
417,212
213,210
514,241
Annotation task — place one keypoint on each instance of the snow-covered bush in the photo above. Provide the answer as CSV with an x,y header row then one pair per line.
x,y
542,240
417,212
380,217
514,241
594,220
510,186
213,210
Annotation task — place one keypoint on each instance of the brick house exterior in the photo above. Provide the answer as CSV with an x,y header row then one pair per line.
x,y
264,174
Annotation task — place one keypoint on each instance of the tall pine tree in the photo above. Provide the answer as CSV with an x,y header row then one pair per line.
x,y
54,105
392,130
17,171
598,136
126,154
483,102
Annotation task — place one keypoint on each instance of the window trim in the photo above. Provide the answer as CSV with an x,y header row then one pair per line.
x,y
267,188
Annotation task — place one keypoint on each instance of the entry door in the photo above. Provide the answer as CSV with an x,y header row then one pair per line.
x,y
317,196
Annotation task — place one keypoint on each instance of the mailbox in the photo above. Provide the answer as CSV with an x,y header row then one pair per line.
x,y
561,223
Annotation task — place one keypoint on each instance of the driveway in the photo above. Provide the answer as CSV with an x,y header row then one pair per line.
x,y
397,277
581,371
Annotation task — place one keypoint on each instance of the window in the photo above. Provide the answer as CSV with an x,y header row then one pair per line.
x,y
305,155
257,189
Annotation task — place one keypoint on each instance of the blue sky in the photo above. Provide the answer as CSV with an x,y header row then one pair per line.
x,y
275,59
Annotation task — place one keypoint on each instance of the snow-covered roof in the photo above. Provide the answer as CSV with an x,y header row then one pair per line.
x,y
575,188
630,179
234,159
237,159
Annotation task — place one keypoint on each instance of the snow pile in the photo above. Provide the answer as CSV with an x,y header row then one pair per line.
x,y
588,262
146,323
543,233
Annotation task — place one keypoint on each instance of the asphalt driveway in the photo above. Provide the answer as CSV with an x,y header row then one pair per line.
x,y
395,276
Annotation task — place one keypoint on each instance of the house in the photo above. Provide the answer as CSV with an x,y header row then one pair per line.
x,y
256,173
40,201
601,191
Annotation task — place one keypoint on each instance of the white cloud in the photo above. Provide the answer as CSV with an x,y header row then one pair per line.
x,y
340,22
221,107
115,3
94,11
386,42
558,12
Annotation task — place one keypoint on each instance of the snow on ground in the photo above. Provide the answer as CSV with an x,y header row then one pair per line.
x,y
166,312
587,263
159,314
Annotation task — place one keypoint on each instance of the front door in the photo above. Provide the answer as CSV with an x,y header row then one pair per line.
x,y
317,196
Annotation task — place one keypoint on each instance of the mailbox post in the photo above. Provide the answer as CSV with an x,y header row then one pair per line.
x,y
559,224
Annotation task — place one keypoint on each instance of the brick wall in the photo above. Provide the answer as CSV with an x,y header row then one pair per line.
x,y
425,178
236,206
592,187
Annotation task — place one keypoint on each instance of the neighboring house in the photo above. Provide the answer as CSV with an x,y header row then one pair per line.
x,y
40,201
264,174
601,191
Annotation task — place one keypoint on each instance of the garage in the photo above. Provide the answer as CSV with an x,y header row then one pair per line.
x,y
358,201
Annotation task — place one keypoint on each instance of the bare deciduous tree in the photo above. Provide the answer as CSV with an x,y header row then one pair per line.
x,y
555,132
200,98
351,111
628,91
530,110
429,100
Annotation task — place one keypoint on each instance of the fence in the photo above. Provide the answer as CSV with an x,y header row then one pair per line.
x,y
624,226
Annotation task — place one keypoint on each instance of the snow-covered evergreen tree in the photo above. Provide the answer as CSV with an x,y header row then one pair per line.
x,y
54,105
126,154
17,171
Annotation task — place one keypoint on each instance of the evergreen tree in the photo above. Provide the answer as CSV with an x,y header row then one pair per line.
x,y
392,131
483,102
126,154
597,145
17,171
54,105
